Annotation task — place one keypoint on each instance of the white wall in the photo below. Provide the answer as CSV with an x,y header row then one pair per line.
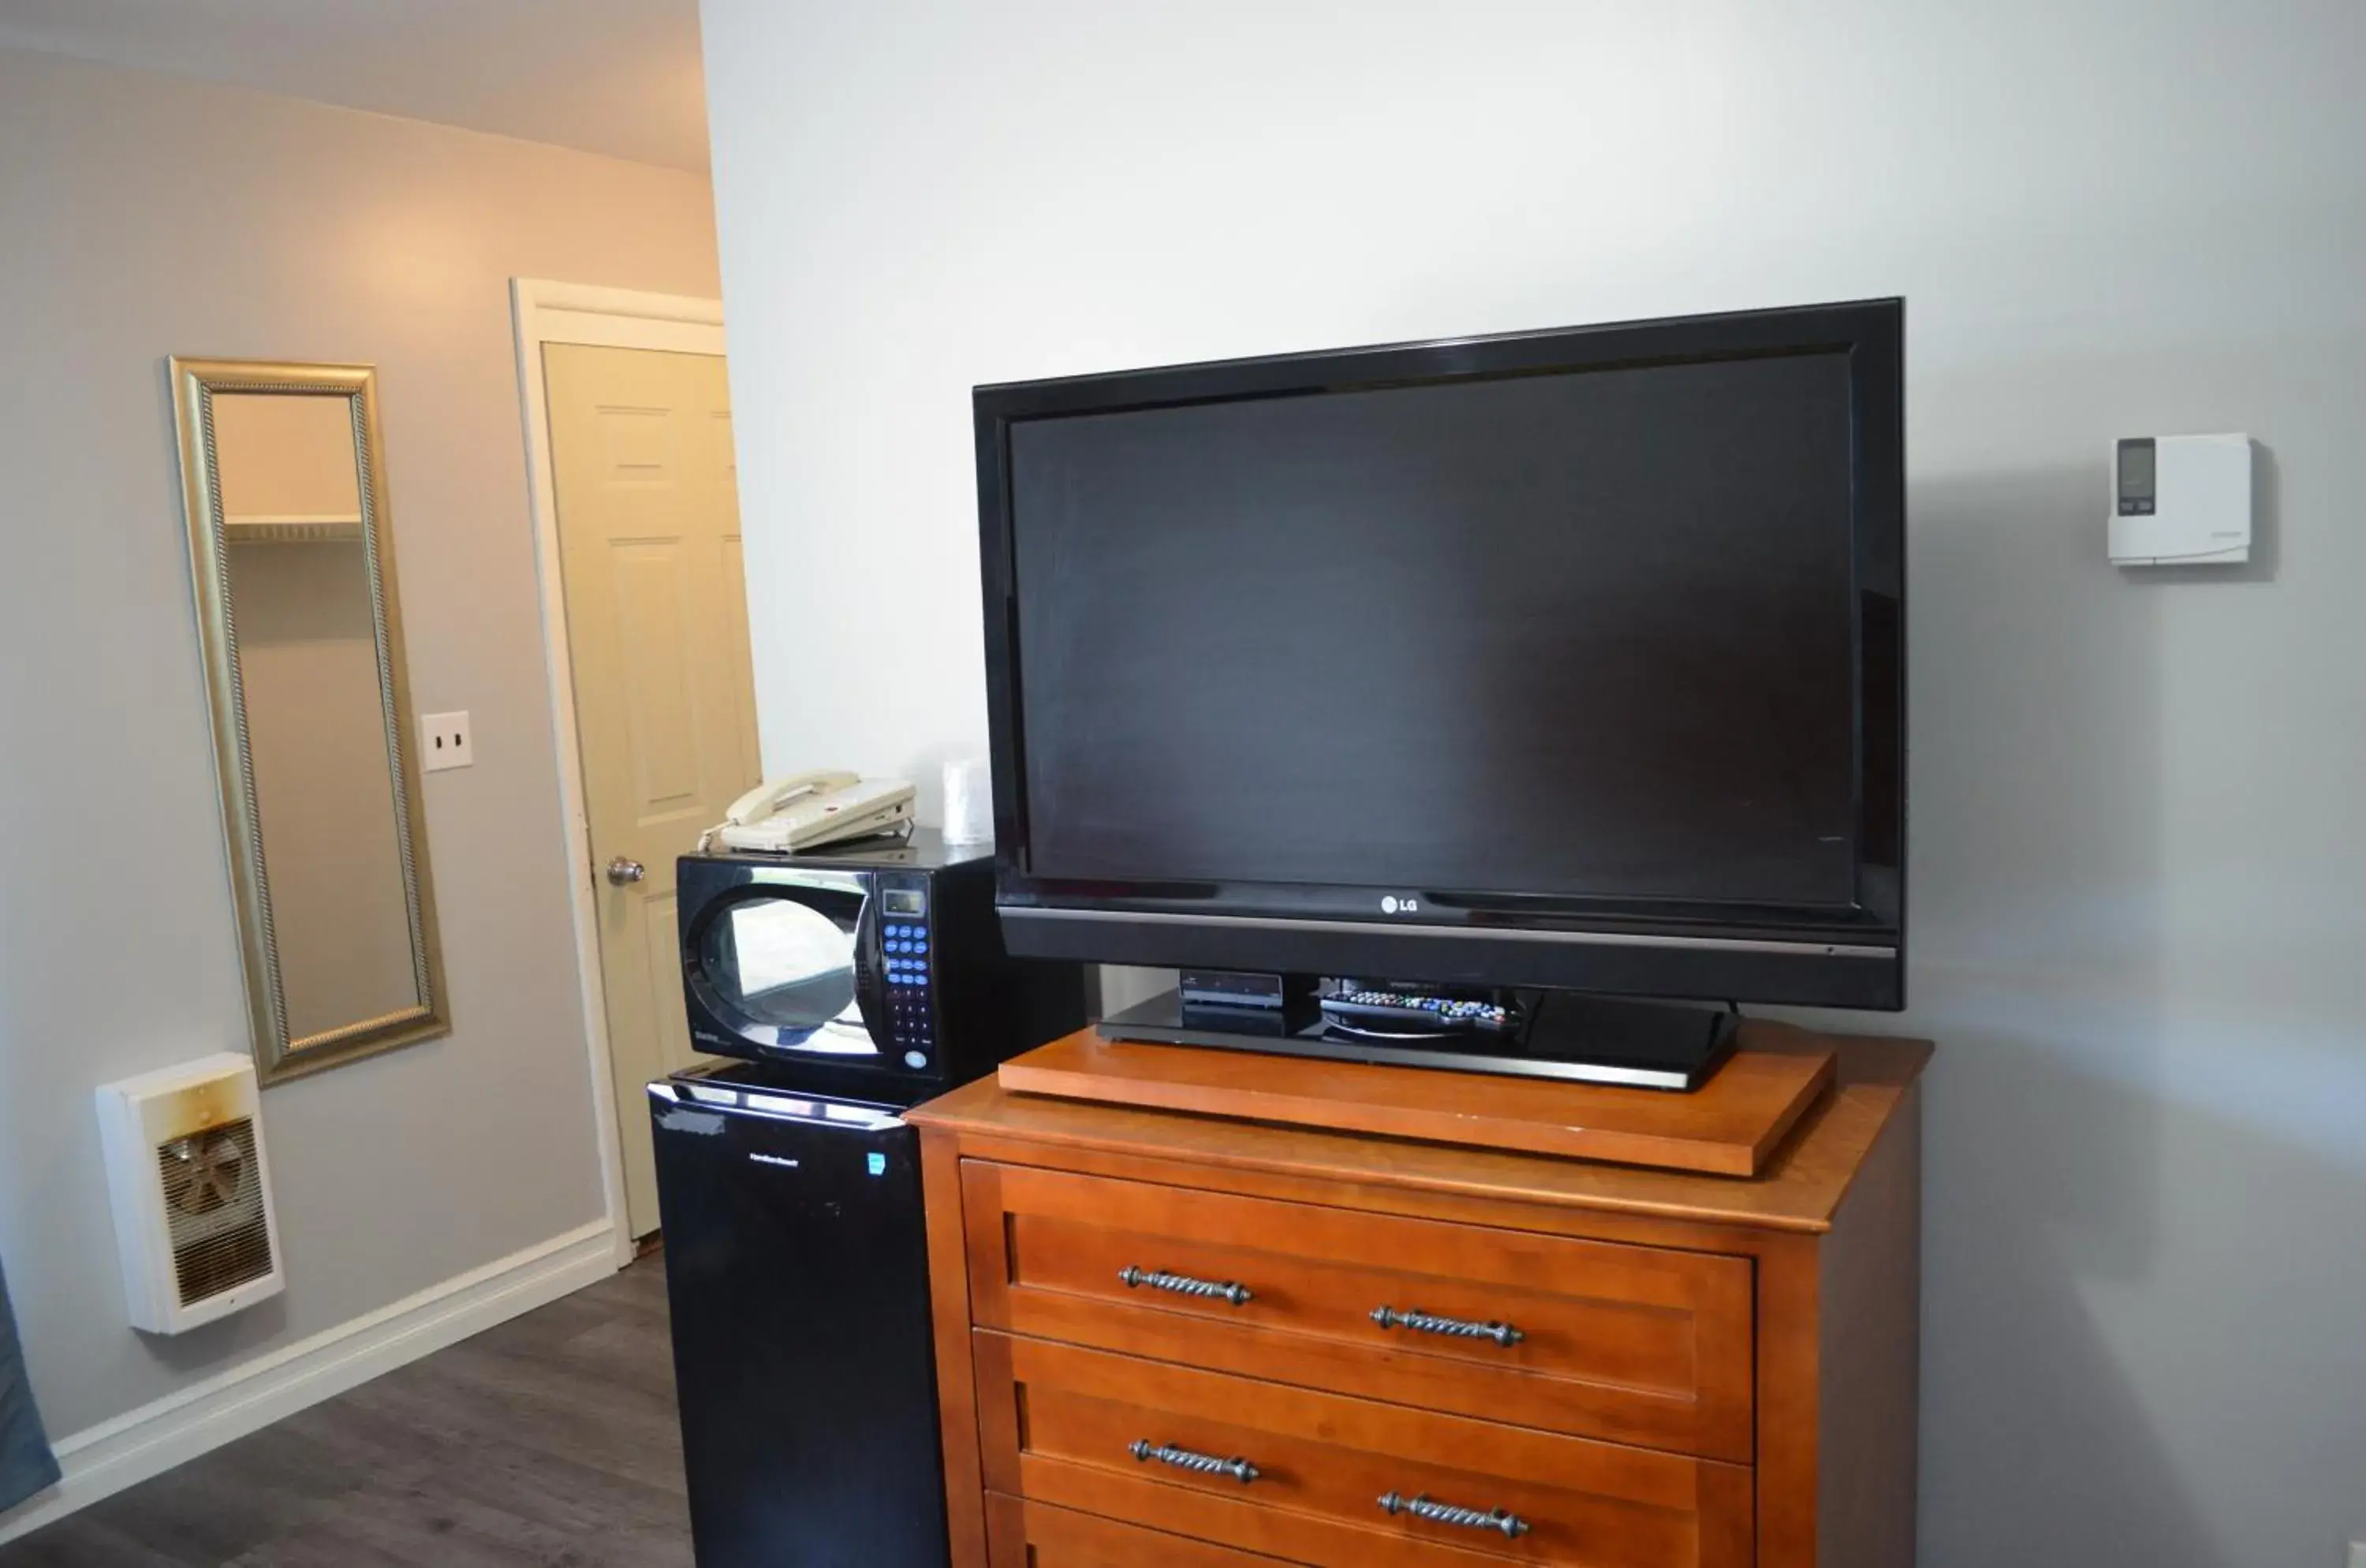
x,y
142,215
2136,849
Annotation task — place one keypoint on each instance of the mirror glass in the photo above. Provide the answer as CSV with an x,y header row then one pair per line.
x,y
290,545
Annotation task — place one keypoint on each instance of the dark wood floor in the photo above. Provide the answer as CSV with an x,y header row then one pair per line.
x,y
550,1440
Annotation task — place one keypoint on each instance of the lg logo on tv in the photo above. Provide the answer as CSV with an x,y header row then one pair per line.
x,y
1393,905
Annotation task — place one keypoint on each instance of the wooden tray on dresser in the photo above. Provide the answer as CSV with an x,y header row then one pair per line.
x,y
1728,1127
1181,1340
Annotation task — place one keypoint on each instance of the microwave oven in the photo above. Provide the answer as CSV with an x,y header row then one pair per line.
x,y
873,969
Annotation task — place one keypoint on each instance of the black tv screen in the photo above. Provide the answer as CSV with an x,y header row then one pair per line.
x,y
1604,645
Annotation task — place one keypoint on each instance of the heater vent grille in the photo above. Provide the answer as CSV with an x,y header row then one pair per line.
x,y
214,1216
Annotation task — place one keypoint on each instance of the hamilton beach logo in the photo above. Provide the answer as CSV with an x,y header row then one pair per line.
x,y
1393,905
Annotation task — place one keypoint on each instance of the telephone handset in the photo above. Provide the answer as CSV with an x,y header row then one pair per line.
x,y
767,798
805,810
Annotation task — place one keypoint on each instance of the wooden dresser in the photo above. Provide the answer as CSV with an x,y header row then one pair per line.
x,y
1167,1341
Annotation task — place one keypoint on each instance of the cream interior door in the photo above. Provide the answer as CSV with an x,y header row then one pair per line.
x,y
665,702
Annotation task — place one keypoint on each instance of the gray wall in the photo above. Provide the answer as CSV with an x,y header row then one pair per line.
x,y
2136,851
141,216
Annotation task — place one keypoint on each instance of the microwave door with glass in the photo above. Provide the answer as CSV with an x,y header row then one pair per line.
x,y
783,960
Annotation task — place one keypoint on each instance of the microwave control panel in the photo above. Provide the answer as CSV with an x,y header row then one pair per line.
x,y
904,943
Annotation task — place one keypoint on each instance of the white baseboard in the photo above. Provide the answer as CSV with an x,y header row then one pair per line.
x,y
106,1458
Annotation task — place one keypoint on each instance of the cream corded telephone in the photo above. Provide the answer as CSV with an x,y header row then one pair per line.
x,y
808,809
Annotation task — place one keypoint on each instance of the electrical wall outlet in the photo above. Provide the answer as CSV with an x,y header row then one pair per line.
x,y
443,742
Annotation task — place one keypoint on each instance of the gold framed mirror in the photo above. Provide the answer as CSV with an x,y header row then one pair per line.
x,y
291,557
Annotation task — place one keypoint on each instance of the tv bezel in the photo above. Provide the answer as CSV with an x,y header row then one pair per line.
x,y
1678,950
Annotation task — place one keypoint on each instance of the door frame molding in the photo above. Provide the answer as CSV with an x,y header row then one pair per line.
x,y
544,312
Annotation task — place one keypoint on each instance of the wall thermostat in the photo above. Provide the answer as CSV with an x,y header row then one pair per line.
x,y
2180,501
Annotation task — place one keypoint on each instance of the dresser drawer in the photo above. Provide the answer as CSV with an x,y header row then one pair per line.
x,y
1021,1534
1338,1483
1632,1344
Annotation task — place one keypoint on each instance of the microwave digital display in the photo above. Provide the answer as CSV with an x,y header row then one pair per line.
x,y
904,901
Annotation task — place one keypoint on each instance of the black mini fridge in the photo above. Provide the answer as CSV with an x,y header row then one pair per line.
x,y
798,1272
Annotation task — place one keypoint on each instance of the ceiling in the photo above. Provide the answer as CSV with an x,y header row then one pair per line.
x,y
620,77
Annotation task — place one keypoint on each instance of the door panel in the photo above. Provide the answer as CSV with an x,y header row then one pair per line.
x,y
735,580
657,631
639,443
664,968
653,648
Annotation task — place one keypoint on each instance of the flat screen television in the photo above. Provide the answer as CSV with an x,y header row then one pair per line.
x,y
1570,660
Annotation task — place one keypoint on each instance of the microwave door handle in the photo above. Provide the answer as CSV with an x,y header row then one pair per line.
x,y
870,969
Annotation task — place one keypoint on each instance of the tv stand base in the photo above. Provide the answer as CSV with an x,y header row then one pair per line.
x,y
1570,1036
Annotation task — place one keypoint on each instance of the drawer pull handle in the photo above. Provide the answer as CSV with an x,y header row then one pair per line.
x,y
1421,1321
1239,1469
1184,1285
1510,1525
